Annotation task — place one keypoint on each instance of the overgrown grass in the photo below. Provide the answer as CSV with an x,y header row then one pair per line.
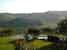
x,y
38,43
6,47
4,43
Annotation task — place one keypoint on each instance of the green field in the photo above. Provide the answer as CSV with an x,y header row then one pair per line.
x,y
38,43
4,45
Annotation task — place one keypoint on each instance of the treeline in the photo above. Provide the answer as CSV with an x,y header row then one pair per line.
x,y
7,32
61,28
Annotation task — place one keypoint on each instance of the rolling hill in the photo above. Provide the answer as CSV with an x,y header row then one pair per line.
x,y
24,20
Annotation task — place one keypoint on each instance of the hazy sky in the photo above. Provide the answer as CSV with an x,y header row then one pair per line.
x,y
29,6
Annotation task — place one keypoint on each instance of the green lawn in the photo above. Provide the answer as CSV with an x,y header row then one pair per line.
x,y
37,44
4,45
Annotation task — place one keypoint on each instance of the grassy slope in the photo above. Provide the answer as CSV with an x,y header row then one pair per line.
x,y
38,43
4,45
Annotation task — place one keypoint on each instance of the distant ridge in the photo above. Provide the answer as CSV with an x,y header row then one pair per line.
x,y
50,18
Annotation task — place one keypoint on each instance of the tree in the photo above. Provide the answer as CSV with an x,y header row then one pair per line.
x,y
47,29
33,31
6,32
62,26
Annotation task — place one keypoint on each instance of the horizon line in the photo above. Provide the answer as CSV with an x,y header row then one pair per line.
x,y
32,12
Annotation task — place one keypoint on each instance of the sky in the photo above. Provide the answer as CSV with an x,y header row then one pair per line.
x,y
32,6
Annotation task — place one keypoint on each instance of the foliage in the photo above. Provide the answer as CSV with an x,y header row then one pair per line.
x,y
62,26
47,29
7,32
33,31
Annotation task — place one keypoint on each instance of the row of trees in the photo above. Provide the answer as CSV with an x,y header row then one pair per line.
x,y
61,28
7,32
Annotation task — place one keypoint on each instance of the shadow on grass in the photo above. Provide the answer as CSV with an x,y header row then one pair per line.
x,y
54,47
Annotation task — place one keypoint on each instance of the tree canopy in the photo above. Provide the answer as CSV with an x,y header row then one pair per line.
x,y
62,26
7,32
33,31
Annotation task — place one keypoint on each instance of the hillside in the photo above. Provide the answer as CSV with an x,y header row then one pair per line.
x,y
25,20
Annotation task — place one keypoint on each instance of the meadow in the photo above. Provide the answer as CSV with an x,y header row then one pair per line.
x,y
5,45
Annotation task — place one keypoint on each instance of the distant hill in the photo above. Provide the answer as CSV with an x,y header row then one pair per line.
x,y
49,18
7,19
